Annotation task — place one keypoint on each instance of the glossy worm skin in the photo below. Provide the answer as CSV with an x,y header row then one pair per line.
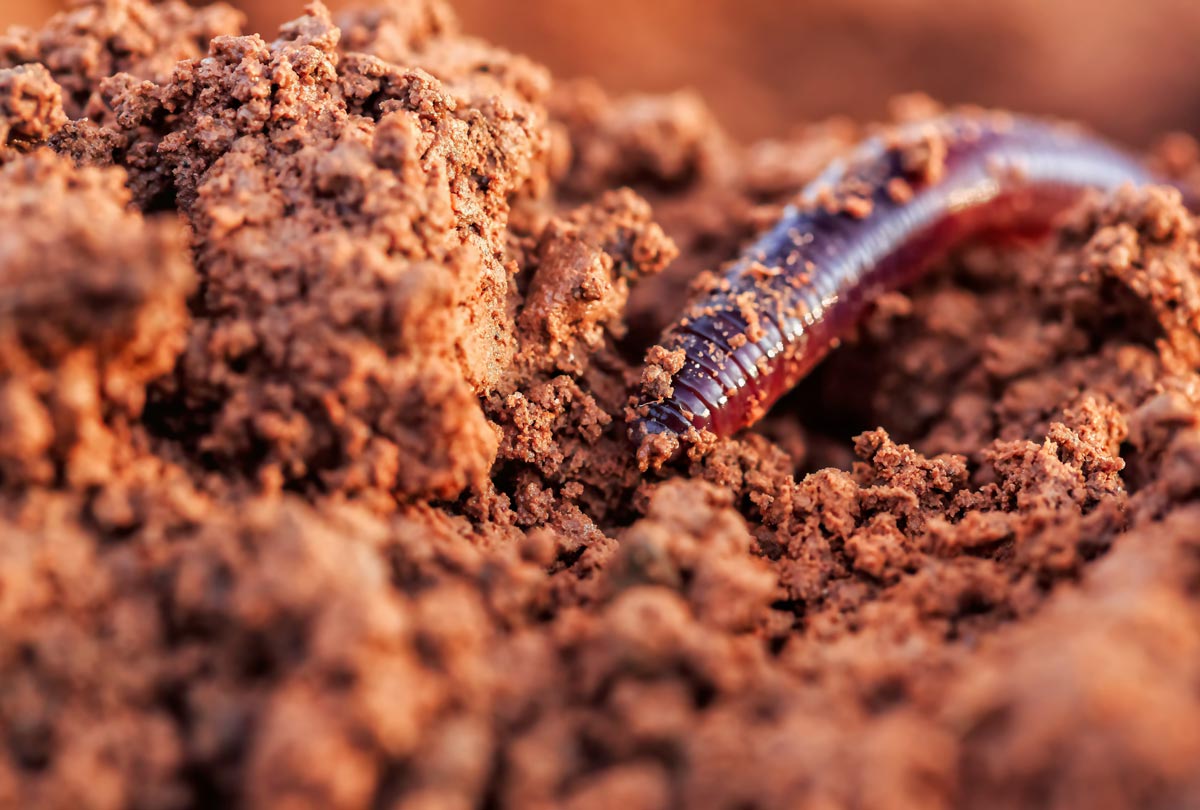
x,y
872,223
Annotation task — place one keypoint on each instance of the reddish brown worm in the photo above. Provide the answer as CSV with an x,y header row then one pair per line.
x,y
870,224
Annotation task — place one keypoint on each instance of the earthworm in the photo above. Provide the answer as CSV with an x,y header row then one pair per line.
x,y
869,224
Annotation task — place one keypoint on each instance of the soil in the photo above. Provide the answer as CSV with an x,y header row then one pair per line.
x,y
1129,69
315,489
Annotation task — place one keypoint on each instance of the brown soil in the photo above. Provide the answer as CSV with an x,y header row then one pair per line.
x,y
1129,68
315,490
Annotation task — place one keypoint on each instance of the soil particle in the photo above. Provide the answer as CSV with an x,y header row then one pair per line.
x,y
30,105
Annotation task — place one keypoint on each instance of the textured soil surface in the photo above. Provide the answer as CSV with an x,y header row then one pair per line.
x,y
315,490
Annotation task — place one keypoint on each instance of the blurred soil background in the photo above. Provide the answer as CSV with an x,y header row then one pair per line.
x,y
1130,69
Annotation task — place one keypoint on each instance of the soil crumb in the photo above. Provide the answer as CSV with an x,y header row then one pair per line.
x,y
315,490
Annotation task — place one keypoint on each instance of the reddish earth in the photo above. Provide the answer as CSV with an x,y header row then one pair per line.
x,y
1129,69
315,489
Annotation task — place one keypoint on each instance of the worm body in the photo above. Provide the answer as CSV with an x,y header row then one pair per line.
x,y
870,224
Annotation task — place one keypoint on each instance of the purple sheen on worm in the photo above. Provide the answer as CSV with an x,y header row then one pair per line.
x,y
793,294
